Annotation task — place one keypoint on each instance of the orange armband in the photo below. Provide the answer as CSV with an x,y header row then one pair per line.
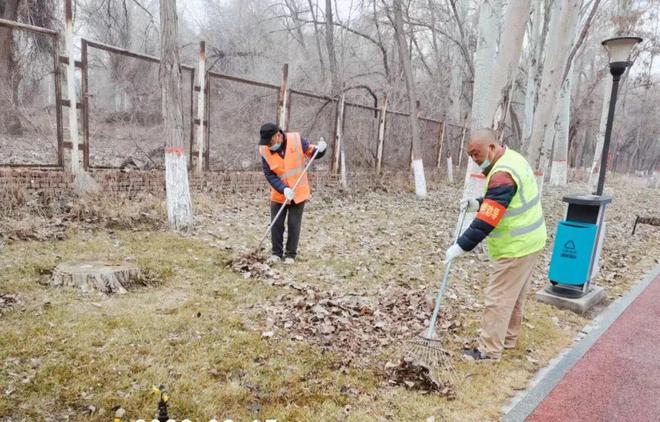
x,y
491,212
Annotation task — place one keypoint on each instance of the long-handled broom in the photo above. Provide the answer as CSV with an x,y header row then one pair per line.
x,y
426,348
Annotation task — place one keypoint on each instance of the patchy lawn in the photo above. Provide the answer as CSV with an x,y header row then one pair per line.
x,y
302,342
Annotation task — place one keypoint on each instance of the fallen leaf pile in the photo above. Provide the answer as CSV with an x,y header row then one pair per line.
x,y
252,265
415,376
355,325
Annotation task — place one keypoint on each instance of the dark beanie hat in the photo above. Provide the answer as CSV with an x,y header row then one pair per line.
x,y
266,132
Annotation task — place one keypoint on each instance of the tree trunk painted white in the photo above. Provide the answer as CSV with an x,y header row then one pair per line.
x,y
179,205
71,88
201,78
563,20
404,56
506,68
558,171
592,181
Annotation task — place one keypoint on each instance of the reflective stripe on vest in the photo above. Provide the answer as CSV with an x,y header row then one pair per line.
x,y
522,228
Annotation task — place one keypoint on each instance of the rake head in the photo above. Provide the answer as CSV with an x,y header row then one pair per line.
x,y
428,351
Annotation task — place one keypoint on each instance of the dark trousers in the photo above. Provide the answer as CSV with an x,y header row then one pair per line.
x,y
294,223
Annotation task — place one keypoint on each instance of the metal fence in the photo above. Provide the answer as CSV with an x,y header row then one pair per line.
x,y
31,132
121,110
121,123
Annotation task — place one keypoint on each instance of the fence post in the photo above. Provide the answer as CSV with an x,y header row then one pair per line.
x,y
57,75
201,77
282,97
342,171
381,137
450,169
441,142
337,144
71,87
460,146
289,105
85,102
207,156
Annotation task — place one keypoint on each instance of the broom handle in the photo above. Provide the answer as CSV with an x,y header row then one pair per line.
x,y
270,226
443,286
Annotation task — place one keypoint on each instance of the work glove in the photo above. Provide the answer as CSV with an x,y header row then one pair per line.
x,y
472,204
288,194
454,251
321,146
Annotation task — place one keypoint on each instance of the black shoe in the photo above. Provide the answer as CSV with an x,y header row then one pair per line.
x,y
476,355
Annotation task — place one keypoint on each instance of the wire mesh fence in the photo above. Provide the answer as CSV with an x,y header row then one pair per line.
x,y
237,110
28,98
429,133
360,137
398,141
313,116
125,123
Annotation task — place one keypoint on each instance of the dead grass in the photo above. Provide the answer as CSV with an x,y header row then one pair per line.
x,y
199,331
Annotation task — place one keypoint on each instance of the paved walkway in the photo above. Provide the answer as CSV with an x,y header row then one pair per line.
x,y
613,374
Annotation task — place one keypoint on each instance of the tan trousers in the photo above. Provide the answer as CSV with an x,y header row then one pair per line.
x,y
505,297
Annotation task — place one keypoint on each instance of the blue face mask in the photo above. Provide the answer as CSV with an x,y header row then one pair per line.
x,y
275,147
485,164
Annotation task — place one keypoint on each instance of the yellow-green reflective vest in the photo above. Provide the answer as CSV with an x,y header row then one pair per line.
x,y
522,229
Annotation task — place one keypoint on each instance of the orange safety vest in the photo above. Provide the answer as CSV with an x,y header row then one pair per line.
x,y
289,168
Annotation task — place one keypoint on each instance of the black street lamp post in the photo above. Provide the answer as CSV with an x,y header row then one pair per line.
x,y
619,50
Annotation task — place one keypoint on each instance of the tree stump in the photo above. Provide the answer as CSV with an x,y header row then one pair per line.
x,y
97,276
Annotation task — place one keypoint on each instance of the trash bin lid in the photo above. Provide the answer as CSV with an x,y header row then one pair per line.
x,y
593,200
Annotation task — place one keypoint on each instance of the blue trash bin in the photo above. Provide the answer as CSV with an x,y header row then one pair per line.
x,y
573,253
578,243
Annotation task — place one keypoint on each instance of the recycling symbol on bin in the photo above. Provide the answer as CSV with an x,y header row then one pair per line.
x,y
569,250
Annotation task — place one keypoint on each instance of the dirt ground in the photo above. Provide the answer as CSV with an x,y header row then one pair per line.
x,y
319,340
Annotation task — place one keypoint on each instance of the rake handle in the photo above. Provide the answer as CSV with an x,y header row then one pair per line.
x,y
443,285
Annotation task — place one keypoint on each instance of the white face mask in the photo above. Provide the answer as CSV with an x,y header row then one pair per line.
x,y
275,147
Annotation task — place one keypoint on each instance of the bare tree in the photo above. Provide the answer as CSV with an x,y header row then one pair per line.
x,y
179,206
485,57
404,56
563,19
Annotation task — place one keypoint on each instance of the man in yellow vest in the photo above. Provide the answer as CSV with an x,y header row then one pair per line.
x,y
510,215
283,161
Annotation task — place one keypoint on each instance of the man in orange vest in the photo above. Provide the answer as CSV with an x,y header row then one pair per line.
x,y
283,161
